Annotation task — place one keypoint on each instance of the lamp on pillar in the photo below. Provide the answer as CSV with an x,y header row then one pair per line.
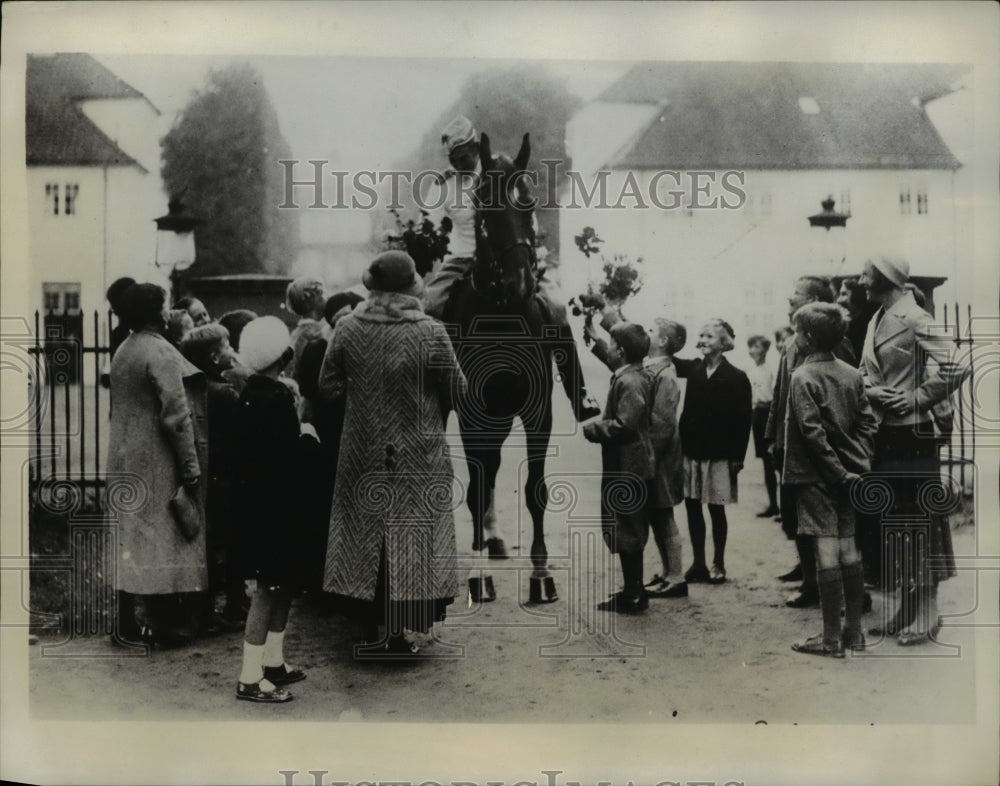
x,y
175,248
830,218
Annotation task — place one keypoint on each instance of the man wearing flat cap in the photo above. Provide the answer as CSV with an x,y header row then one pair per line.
x,y
452,197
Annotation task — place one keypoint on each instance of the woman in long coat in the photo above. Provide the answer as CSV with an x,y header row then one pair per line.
x,y
158,442
392,532
907,371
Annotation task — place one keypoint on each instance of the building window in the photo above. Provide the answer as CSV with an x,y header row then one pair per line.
x,y
845,201
922,202
72,189
61,297
904,201
52,197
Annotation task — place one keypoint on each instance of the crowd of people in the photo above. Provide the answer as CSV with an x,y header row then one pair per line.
x,y
860,396
271,462
302,448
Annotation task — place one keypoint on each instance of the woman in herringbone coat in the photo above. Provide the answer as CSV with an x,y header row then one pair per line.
x,y
392,532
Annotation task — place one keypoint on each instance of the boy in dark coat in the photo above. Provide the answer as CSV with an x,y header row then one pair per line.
x,y
627,458
328,418
207,347
829,440
807,289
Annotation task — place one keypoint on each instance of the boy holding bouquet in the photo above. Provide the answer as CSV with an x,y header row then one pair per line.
x,y
627,459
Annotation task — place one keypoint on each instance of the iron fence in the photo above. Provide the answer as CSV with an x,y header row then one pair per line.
x,y
71,406
69,409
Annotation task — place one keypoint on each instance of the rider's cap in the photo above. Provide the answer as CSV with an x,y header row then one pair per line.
x,y
458,132
393,271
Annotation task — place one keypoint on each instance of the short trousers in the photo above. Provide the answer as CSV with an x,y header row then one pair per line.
x,y
823,514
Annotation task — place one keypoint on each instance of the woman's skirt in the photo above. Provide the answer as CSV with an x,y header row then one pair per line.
x,y
393,615
710,481
908,504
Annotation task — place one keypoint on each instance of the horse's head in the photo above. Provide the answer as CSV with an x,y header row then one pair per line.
x,y
505,256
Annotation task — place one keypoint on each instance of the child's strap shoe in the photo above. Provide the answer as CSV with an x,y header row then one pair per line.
x,y
283,674
253,691
817,645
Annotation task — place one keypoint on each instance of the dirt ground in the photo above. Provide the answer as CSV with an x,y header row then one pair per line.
x,y
721,655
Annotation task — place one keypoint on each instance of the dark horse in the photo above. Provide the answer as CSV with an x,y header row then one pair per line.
x,y
506,344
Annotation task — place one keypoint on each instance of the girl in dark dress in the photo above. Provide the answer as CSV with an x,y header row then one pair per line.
x,y
272,508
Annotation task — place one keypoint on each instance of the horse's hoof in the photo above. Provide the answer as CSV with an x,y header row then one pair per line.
x,y
496,548
482,590
542,590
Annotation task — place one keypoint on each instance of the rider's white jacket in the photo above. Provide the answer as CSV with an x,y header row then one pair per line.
x,y
451,195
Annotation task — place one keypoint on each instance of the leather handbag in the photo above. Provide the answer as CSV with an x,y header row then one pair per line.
x,y
186,512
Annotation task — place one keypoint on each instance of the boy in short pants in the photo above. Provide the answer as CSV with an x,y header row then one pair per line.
x,y
829,436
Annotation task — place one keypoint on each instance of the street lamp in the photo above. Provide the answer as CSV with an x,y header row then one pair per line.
x,y
830,218
175,248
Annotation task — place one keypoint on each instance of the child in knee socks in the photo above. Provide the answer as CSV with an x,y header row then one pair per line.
x,y
627,459
828,442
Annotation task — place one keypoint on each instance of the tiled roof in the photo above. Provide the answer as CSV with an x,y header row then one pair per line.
x,y
57,132
728,114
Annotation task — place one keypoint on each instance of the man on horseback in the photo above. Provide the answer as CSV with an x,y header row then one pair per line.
x,y
452,196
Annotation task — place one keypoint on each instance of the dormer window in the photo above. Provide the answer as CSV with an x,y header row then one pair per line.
x,y
808,105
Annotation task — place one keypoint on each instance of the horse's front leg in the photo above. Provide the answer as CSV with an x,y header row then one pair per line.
x,y
542,587
482,452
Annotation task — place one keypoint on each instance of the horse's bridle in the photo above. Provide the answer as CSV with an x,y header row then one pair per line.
x,y
496,256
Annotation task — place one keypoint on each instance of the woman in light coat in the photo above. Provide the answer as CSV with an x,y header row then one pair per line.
x,y
158,442
907,371
392,533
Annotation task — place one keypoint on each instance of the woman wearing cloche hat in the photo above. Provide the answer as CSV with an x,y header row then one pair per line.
x,y
395,369
270,508
907,370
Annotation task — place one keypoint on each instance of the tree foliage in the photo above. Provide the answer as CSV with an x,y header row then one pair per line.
x,y
221,159
506,103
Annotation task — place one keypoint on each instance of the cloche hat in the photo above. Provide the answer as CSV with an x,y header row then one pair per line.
x,y
393,271
263,342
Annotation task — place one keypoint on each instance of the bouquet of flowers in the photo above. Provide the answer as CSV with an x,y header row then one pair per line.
x,y
622,279
425,243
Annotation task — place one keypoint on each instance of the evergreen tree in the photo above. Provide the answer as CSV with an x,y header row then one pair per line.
x,y
221,159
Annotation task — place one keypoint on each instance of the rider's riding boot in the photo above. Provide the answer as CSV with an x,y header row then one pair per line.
x,y
584,405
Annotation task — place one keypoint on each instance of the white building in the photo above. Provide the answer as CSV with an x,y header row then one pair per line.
x,y
94,189
789,135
